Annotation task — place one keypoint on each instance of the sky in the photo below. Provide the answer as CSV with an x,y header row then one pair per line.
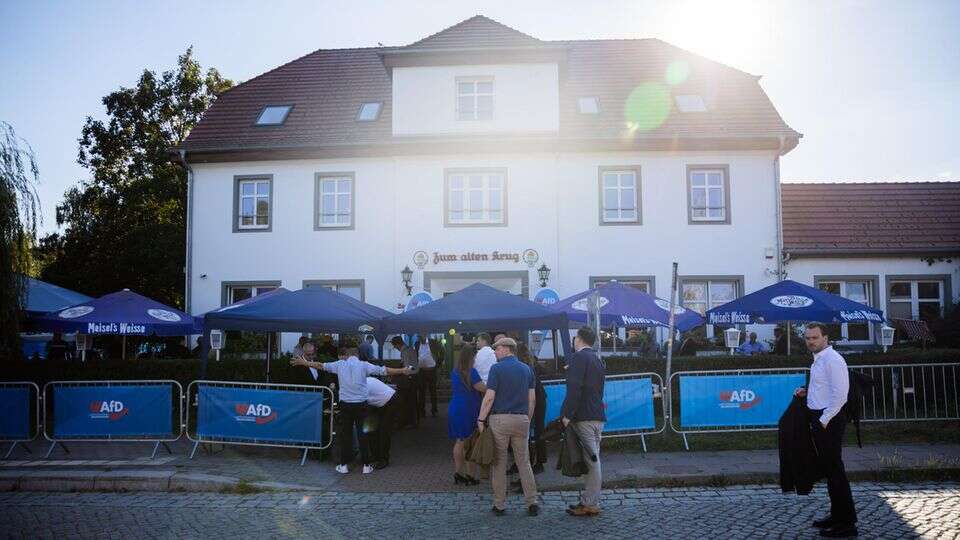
x,y
872,85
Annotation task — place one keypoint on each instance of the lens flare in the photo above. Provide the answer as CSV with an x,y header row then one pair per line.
x,y
647,107
677,72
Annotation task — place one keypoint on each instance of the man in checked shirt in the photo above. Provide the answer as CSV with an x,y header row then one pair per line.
x,y
826,394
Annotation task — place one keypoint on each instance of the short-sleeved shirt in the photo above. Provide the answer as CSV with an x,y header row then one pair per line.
x,y
511,380
352,375
483,361
752,348
380,392
425,357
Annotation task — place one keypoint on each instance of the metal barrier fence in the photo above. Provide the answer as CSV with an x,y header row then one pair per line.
x,y
615,393
16,417
734,398
107,417
911,392
265,411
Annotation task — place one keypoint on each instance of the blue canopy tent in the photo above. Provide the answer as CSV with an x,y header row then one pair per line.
x,y
623,306
792,301
478,308
307,310
123,313
43,297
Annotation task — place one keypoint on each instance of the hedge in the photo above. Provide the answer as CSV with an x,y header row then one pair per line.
x,y
187,370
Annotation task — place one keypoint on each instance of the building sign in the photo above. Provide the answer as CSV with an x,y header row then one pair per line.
x,y
436,258
530,256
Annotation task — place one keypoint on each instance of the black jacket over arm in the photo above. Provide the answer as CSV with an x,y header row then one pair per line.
x,y
798,456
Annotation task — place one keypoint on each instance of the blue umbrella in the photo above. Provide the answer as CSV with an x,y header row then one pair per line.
x,y
792,301
623,306
43,297
123,313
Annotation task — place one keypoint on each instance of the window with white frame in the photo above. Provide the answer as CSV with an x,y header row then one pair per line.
x,y
253,203
915,299
335,201
641,284
619,196
476,197
702,294
708,195
243,291
859,291
349,287
475,98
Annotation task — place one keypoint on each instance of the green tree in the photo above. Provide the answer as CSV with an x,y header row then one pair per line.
x,y
124,227
19,213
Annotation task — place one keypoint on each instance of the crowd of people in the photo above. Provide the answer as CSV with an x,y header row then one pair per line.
x,y
495,384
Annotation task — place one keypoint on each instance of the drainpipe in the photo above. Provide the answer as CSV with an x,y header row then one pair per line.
x,y
188,261
779,211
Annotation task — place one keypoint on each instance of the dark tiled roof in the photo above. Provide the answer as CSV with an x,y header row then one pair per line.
x,y
328,86
476,32
904,217
611,69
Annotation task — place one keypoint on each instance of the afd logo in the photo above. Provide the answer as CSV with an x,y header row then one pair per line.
x,y
739,399
259,413
109,410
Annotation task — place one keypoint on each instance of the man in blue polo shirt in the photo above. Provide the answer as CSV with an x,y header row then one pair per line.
x,y
508,407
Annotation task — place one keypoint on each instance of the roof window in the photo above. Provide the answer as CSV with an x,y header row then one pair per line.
x,y
369,111
690,103
588,105
273,115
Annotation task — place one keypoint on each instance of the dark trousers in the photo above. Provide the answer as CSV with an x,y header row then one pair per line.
x,y
539,451
351,418
386,421
427,379
829,446
407,388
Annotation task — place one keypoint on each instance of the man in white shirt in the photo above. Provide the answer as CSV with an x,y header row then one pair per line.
x,y
426,378
387,403
485,358
352,378
826,395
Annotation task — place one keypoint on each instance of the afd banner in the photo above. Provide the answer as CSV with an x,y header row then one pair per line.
x,y
736,400
628,403
15,420
256,415
113,411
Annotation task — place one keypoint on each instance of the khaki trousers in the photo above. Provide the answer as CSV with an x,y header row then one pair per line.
x,y
511,430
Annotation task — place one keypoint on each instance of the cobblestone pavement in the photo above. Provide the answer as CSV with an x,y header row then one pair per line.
x,y
886,511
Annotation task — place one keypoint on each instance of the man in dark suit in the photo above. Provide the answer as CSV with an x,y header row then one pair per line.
x,y
583,408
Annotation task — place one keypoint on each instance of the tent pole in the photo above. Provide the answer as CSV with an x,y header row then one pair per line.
x,y
789,337
269,352
670,331
556,354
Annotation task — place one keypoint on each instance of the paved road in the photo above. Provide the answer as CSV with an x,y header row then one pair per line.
x,y
886,511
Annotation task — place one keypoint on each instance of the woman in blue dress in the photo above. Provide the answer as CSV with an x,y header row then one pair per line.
x,y
464,409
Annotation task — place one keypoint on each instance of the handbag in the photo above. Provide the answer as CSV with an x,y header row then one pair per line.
x,y
482,449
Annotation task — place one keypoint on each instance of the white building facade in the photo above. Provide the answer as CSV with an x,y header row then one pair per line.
x,y
482,154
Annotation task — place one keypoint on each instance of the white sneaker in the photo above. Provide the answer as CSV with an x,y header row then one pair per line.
x,y
367,469
342,469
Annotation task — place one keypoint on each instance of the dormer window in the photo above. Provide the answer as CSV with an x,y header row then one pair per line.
x,y
588,105
474,98
690,103
273,115
369,111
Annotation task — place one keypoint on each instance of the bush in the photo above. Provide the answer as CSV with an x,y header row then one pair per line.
x,y
946,330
